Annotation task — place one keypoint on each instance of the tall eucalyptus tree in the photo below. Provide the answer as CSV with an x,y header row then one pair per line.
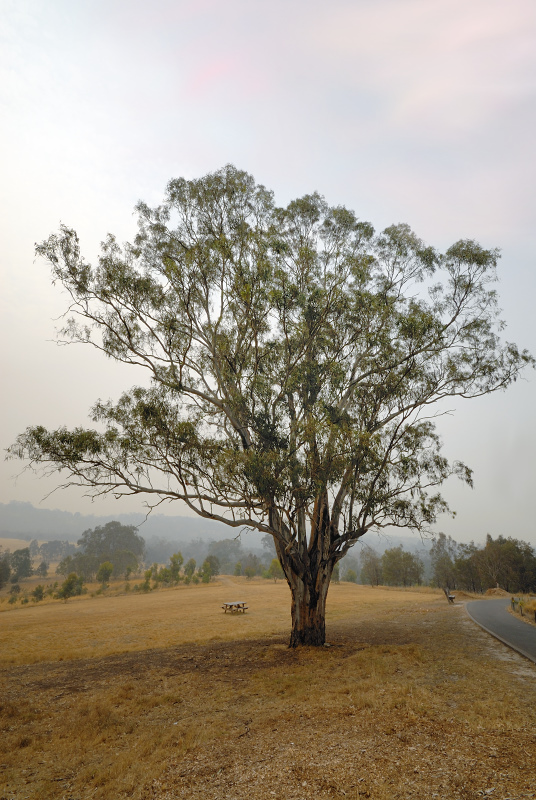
x,y
295,358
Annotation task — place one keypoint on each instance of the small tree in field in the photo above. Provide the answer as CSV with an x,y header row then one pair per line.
x,y
189,568
351,576
104,572
371,570
206,573
42,569
275,570
214,564
5,569
38,593
295,357
72,586
21,563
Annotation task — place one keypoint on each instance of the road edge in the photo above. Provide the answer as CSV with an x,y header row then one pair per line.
x,y
496,635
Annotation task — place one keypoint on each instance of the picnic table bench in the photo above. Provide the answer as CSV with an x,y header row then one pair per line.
x,y
235,606
450,597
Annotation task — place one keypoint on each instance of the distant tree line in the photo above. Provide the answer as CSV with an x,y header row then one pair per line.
x,y
503,562
18,565
116,550
396,567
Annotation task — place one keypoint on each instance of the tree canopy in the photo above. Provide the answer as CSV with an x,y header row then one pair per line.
x,y
114,543
295,358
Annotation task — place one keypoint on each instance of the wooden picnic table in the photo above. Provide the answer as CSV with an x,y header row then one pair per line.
x,y
235,605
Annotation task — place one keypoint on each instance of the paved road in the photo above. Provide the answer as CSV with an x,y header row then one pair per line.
x,y
493,616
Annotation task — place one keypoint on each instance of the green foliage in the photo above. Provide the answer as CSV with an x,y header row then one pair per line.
x,y
65,566
146,585
350,561
72,586
42,569
56,549
5,569
38,593
120,545
400,568
238,568
351,576
506,562
443,553
176,561
291,353
205,573
104,572
228,552
21,563
214,564
189,568
275,570
371,570
252,565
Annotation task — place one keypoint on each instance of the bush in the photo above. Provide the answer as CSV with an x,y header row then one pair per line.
x,y
72,586
214,563
38,593
189,568
104,572
275,571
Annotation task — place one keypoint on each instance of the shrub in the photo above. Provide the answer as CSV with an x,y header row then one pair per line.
x,y
38,593
71,587
104,572
275,571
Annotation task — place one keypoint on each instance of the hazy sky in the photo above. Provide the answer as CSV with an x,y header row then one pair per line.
x,y
417,111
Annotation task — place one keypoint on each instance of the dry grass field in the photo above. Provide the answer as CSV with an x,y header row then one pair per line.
x,y
164,696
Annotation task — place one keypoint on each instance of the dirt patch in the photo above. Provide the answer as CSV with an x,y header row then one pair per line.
x,y
414,703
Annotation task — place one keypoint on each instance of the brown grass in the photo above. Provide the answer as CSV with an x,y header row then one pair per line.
x,y
177,699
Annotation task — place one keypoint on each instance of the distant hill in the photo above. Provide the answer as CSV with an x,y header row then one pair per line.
x,y
19,520
24,521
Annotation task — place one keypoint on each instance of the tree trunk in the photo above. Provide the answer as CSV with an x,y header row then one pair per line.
x,y
308,609
308,568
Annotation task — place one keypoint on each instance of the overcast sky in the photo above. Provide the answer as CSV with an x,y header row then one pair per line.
x,y
417,111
